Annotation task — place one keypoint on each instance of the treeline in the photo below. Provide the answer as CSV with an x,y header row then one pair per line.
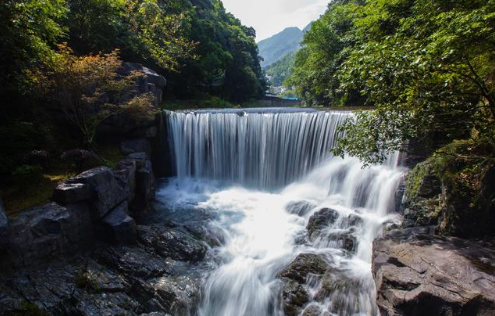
x,y
196,44
54,53
427,66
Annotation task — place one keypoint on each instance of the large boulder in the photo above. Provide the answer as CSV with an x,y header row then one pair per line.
x,y
106,193
320,220
71,193
417,273
303,265
4,228
118,227
45,232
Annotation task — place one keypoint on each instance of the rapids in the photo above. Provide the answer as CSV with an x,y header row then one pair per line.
x,y
249,169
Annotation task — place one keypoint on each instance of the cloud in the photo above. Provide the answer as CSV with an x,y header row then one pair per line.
x,y
269,17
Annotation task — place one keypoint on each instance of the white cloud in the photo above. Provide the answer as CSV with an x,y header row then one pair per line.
x,y
269,17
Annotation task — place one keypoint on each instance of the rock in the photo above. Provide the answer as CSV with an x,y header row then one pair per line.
x,y
300,208
417,273
125,174
100,279
45,232
303,265
118,227
96,304
321,219
106,193
136,145
145,185
315,310
178,296
4,228
71,193
132,261
172,243
294,297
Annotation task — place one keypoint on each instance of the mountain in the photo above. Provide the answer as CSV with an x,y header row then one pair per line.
x,y
281,69
274,48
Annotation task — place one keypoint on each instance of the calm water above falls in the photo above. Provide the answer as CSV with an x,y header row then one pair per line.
x,y
255,170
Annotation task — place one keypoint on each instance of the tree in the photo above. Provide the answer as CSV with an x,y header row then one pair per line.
x,y
88,90
427,66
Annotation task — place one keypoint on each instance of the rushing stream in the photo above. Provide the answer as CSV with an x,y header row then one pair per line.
x,y
262,174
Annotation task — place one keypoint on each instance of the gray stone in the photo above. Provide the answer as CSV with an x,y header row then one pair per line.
x,y
96,304
118,227
133,261
4,228
45,232
155,78
71,193
320,220
294,297
125,173
106,193
145,188
174,243
136,145
303,265
417,273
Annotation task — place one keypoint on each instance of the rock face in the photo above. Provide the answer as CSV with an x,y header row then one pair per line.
x,y
4,228
457,196
417,273
49,230
93,205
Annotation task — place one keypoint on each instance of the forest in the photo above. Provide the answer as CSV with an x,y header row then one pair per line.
x,y
148,169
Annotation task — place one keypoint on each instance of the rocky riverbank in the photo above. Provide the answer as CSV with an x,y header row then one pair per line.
x,y
84,254
442,260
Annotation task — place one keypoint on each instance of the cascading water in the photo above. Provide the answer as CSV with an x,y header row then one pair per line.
x,y
263,174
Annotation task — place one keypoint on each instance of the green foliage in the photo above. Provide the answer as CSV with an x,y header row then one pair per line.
x,y
325,47
426,66
228,62
281,69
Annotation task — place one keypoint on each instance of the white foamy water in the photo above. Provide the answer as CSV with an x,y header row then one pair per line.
x,y
249,169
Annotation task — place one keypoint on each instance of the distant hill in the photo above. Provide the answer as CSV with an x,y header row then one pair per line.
x,y
274,48
281,69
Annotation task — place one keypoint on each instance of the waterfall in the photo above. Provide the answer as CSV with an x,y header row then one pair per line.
x,y
264,174
262,149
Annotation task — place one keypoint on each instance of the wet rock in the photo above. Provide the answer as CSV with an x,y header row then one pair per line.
x,y
294,297
136,145
315,310
96,304
172,243
303,265
300,208
132,261
178,296
107,194
4,228
118,227
343,239
320,220
100,279
417,273
45,232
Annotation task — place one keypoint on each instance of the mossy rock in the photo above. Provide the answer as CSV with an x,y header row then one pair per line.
x,y
454,189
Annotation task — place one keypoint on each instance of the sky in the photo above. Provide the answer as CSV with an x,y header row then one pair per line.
x,y
269,17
